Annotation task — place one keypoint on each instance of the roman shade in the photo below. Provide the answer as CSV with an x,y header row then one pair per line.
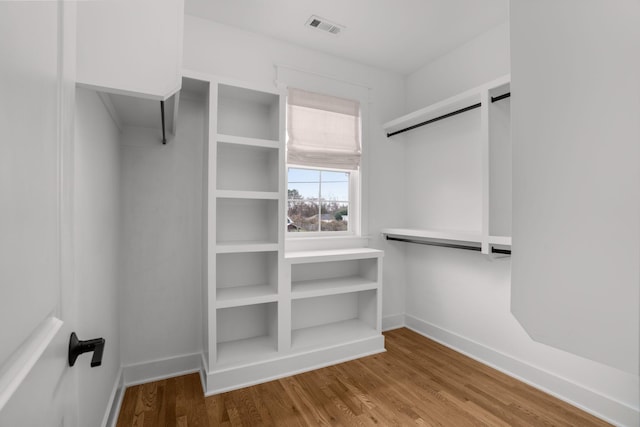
x,y
323,131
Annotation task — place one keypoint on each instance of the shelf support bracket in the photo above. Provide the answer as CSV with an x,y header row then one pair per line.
x,y
164,135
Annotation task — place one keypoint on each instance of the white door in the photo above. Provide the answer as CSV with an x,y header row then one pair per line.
x,y
37,387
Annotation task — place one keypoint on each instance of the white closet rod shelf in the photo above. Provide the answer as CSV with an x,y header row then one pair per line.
x,y
455,240
449,107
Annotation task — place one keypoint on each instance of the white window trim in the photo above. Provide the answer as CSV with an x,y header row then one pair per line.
x,y
287,76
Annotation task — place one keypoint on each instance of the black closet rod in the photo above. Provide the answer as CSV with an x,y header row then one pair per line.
x,y
499,97
450,245
164,135
444,116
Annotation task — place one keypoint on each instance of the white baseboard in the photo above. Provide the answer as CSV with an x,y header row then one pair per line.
x,y
393,321
255,373
589,401
161,369
115,402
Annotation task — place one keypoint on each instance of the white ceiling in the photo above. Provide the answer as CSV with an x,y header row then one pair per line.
x,y
396,35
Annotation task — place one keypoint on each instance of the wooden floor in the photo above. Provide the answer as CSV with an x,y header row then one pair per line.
x,y
416,382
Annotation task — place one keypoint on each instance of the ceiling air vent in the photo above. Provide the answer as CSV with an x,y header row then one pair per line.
x,y
324,25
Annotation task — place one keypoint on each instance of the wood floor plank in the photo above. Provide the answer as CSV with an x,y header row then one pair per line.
x,y
127,409
416,382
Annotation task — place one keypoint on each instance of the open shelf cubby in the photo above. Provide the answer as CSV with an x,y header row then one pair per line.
x,y
246,221
247,333
246,278
248,113
333,277
333,319
247,167
458,171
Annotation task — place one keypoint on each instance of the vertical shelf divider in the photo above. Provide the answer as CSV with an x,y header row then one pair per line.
x,y
484,147
211,224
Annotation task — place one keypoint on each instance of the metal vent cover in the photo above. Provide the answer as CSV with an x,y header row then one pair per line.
x,y
324,25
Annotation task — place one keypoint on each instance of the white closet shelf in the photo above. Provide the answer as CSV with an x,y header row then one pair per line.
x,y
245,295
332,334
243,140
438,109
323,287
249,246
233,353
240,194
443,235
450,105
301,257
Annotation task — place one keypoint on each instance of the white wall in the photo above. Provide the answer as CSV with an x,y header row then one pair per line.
x,y
472,64
162,231
252,58
576,118
97,250
462,298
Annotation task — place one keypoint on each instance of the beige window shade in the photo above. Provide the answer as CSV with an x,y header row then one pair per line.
x,y
323,130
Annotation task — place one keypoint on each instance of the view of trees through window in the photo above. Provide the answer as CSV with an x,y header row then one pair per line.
x,y
318,200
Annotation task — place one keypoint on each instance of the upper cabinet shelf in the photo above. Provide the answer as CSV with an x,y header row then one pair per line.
x,y
248,114
131,48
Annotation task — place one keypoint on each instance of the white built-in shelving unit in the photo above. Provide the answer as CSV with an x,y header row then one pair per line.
x,y
486,131
269,313
246,172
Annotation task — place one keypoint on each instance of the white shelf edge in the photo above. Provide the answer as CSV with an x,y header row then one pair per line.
x,y
245,295
499,240
16,369
239,247
498,83
241,194
337,286
302,257
456,236
243,140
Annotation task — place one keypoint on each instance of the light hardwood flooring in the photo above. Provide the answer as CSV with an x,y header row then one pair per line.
x,y
416,382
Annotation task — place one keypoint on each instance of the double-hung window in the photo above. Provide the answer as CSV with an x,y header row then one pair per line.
x,y
323,158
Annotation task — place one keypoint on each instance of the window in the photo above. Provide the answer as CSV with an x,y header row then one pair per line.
x,y
318,200
323,156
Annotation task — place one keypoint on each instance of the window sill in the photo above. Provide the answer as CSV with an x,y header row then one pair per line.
x,y
320,242
313,235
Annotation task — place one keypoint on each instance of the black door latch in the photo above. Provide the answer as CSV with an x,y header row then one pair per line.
x,y
77,347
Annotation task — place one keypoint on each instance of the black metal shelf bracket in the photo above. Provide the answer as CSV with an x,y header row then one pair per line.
x,y
444,116
164,135
449,245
